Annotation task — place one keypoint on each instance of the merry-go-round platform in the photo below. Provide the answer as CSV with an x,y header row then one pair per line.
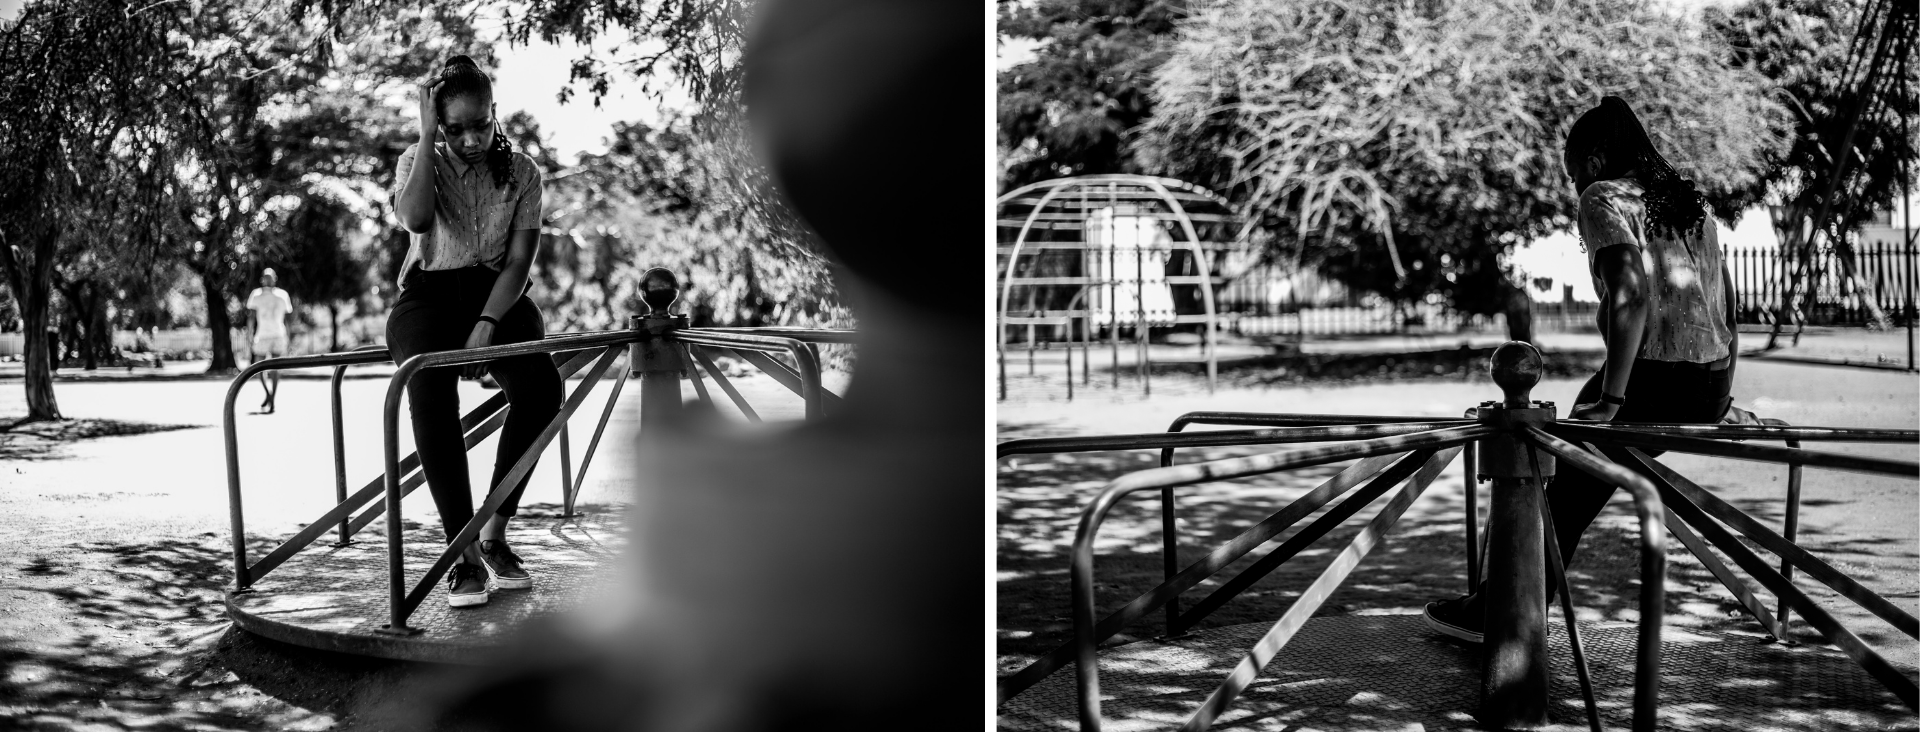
x,y
335,597
1389,673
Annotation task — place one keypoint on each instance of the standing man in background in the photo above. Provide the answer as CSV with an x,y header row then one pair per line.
x,y
268,307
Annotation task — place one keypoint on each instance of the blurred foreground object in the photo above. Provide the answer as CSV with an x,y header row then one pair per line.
x,y
824,575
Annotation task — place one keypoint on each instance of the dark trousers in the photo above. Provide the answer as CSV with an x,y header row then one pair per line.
x,y
1657,391
437,312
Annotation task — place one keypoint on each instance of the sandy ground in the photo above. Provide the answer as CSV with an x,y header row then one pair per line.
x,y
1868,526
118,552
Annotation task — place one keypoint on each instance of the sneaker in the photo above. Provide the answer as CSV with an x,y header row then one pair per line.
x,y
504,565
466,586
1462,618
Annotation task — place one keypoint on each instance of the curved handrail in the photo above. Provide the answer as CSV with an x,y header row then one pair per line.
x,y
1086,664
1653,564
390,429
1213,438
231,434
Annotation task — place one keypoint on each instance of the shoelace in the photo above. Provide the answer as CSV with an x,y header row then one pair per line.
x,y
501,550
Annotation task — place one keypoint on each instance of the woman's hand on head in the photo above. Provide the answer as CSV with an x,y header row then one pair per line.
x,y
481,337
429,115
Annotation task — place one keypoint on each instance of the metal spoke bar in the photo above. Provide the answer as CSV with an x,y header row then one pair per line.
x,y
720,379
1095,513
475,433
1826,573
1316,594
1212,438
1790,531
1653,566
419,477
390,436
805,381
1869,660
1766,432
496,497
1558,576
1745,594
1304,538
1734,450
1226,554
245,575
804,335
613,397
699,383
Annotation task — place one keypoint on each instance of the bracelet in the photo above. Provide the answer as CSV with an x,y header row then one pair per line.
x,y
1611,399
489,319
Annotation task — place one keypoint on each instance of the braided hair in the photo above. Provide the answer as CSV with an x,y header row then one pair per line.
x,y
1674,207
464,78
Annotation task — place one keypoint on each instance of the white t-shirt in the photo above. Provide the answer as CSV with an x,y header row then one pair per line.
x,y
270,306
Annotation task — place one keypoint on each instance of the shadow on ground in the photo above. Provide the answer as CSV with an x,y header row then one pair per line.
x,y
134,635
41,439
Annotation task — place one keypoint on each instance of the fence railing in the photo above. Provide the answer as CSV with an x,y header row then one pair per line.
x,y
1883,274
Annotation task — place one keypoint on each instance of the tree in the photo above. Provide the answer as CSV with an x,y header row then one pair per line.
x,y
251,58
1802,48
1067,111
83,111
315,260
1407,147
673,197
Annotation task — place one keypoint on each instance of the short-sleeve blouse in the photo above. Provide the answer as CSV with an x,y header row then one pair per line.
x,y
1686,288
472,217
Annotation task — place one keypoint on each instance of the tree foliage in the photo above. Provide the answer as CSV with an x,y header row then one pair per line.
x,y
1067,111
1408,146
1802,46
84,144
666,197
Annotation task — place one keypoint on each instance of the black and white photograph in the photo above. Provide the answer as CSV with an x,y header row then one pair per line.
x,y
517,365
1449,365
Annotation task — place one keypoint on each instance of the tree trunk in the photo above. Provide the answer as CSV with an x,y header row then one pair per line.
x,y
222,327
333,323
1519,315
39,353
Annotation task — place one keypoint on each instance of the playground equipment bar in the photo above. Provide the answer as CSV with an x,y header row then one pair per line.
x,y
752,344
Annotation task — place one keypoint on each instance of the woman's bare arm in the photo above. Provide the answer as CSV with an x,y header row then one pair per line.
x,y
416,201
1623,305
506,291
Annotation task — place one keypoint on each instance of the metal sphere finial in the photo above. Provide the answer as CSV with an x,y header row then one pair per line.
x,y
659,289
1516,367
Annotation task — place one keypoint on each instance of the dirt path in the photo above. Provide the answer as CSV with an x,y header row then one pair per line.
x,y
1869,526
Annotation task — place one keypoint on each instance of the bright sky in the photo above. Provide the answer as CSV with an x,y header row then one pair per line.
x,y
529,78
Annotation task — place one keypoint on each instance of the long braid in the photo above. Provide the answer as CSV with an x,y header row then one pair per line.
x,y
1674,206
500,160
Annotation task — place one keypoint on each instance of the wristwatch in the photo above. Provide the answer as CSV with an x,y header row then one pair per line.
x,y
1606,398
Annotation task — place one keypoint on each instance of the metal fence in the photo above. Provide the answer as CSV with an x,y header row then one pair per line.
x,y
1883,275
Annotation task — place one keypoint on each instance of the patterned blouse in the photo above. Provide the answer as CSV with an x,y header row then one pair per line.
x,y
1686,295
471,217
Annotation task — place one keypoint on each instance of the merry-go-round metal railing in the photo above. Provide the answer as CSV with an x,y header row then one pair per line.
x,y
1518,444
660,348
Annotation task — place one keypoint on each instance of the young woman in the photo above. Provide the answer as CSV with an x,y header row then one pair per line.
x,y
472,205
1666,312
